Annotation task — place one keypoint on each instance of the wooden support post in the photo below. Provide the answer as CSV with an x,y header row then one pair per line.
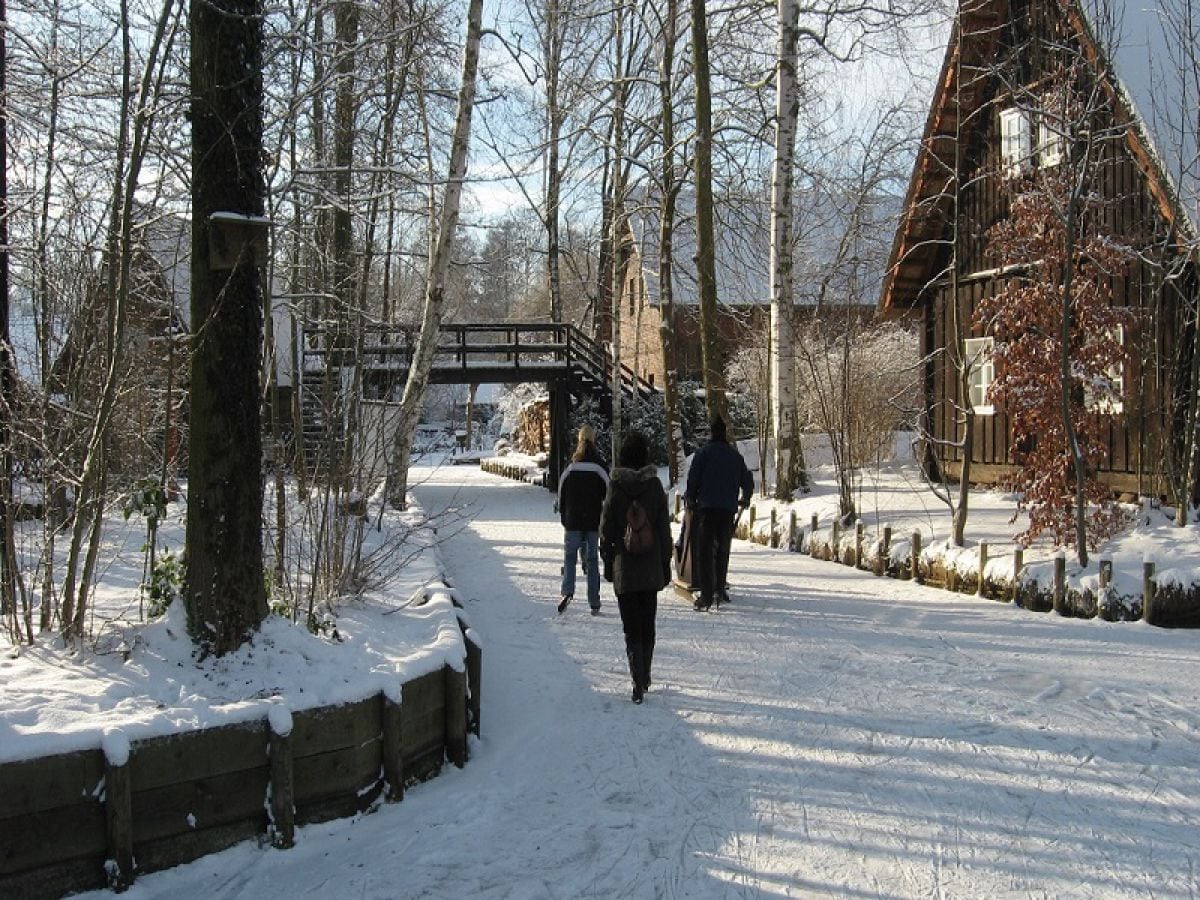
x,y
983,561
859,533
791,542
393,742
885,549
283,791
773,538
1018,566
678,503
1148,591
474,681
1106,567
837,539
118,811
456,715
812,537
916,558
1060,584
750,526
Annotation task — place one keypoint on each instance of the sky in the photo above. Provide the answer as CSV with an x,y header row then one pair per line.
x,y
828,733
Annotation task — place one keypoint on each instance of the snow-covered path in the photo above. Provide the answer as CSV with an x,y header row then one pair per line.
x,y
828,734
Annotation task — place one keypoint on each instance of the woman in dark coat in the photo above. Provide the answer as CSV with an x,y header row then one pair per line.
x,y
637,577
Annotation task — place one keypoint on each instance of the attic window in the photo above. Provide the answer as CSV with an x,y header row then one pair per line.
x,y
1015,141
1050,143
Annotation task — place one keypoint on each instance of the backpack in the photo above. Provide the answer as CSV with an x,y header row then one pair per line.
x,y
639,535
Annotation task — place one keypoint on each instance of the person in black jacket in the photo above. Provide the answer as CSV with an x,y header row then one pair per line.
x,y
717,483
637,577
581,489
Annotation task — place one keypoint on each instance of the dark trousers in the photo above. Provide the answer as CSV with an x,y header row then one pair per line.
x,y
714,534
638,611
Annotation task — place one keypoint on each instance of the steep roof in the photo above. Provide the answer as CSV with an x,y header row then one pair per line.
x,y
742,245
743,248
1138,52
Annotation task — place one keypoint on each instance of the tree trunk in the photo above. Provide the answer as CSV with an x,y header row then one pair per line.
x,y
224,592
442,243
553,62
712,356
666,243
784,421
618,221
8,559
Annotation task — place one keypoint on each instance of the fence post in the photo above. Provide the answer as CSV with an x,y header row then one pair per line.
x,y
1060,583
837,540
983,561
1148,590
474,680
773,538
885,550
859,531
1105,571
283,806
791,544
455,700
1018,565
916,558
812,538
392,698
118,809
750,525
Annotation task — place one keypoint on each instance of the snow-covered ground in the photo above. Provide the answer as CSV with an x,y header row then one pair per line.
x,y
828,734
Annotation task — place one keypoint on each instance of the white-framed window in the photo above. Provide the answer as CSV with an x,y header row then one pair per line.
x,y
1015,141
1108,399
981,372
1050,143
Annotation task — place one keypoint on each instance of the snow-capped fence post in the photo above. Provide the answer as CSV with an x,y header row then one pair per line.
x,y
283,782
392,714
474,679
983,561
885,549
1018,565
837,540
1148,590
773,537
1060,583
812,537
456,715
750,525
118,810
791,542
916,558
1106,566
859,532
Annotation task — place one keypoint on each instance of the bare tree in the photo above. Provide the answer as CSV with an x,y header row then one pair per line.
x,y
224,592
418,376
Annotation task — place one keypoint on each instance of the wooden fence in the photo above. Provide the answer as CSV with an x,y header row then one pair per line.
x,y
96,817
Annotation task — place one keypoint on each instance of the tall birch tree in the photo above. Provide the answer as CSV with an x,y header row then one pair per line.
x,y
442,243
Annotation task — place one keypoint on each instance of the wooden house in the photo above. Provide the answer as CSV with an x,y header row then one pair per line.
x,y
987,129
743,291
830,280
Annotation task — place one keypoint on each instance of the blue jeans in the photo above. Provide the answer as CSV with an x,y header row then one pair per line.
x,y
574,543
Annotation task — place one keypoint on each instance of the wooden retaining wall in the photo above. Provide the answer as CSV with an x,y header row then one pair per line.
x,y
518,471
82,820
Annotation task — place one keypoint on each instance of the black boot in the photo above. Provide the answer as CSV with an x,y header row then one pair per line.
x,y
647,658
634,653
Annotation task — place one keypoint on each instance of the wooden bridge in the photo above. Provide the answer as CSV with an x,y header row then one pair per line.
x,y
562,357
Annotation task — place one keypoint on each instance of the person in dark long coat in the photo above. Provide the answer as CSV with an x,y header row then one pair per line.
x,y
637,577
581,490
718,483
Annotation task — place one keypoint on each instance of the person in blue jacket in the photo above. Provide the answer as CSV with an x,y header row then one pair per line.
x,y
718,483
581,490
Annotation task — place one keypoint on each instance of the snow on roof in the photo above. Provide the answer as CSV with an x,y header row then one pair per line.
x,y
1149,44
742,240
